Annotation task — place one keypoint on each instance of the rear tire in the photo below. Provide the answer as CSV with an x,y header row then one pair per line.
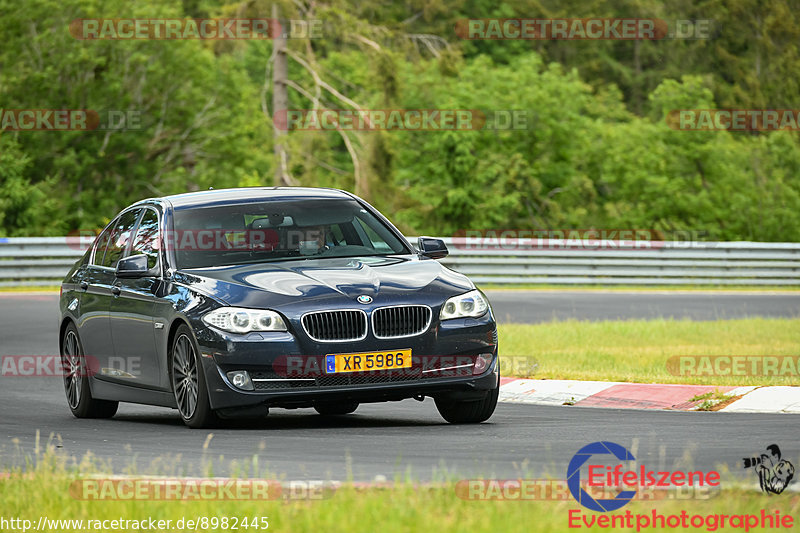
x,y
334,409
76,380
189,381
468,411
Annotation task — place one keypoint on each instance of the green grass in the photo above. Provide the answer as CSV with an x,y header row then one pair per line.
x,y
43,288
711,400
638,350
44,490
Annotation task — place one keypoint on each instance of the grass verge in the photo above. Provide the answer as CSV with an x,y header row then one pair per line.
x,y
44,491
640,350
31,288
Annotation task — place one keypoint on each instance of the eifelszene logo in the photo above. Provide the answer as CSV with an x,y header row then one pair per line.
x,y
774,473
574,476
600,475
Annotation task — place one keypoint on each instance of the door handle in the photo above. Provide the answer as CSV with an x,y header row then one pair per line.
x,y
84,285
115,290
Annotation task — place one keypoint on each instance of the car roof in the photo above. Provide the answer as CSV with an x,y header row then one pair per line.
x,y
252,194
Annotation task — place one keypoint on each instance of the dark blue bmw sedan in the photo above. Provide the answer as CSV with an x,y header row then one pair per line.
x,y
224,303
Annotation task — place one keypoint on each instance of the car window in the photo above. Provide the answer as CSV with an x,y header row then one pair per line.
x,y
147,240
100,245
378,243
279,230
120,238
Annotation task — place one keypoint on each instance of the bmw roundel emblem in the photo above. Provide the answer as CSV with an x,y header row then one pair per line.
x,y
364,299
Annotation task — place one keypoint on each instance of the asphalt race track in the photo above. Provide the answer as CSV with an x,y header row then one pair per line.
x,y
399,438
544,306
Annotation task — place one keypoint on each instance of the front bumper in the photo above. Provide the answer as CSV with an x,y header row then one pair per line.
x,y
291,373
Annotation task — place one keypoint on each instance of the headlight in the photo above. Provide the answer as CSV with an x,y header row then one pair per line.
x,y
240,320
471,304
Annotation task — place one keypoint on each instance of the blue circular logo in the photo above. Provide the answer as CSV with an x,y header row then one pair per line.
x,y
364,299
574,476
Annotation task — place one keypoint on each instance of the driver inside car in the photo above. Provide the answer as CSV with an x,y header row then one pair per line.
x,y
312,240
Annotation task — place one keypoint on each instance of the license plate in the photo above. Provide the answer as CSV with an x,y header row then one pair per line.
x,y
367,361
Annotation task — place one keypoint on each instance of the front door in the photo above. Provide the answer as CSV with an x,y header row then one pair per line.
x,y
131,317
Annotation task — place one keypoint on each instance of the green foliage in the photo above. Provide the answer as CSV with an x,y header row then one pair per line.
x,y
596,150
198,113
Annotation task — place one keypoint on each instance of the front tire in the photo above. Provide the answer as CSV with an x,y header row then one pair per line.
x,y
469,411
76,380
189,381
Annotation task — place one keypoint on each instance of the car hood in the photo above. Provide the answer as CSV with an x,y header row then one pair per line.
x,y
386,280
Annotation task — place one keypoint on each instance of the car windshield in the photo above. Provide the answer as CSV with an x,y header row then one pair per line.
x,y
279,230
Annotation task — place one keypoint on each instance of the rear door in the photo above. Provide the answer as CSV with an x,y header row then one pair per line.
x,y
95,300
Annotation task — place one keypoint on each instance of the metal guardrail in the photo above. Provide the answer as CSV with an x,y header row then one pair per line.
x,y
603,262
42,261
38,261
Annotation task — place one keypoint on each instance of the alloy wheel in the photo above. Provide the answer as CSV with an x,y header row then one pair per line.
x,y
72,360
184,376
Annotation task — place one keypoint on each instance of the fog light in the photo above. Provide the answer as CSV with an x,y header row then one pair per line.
x,y
482,363
240,379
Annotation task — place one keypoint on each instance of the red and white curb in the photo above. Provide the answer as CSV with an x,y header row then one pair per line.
x,y
646,395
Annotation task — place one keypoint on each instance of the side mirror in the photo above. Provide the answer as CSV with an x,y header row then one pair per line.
x,y
433,248
134,266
